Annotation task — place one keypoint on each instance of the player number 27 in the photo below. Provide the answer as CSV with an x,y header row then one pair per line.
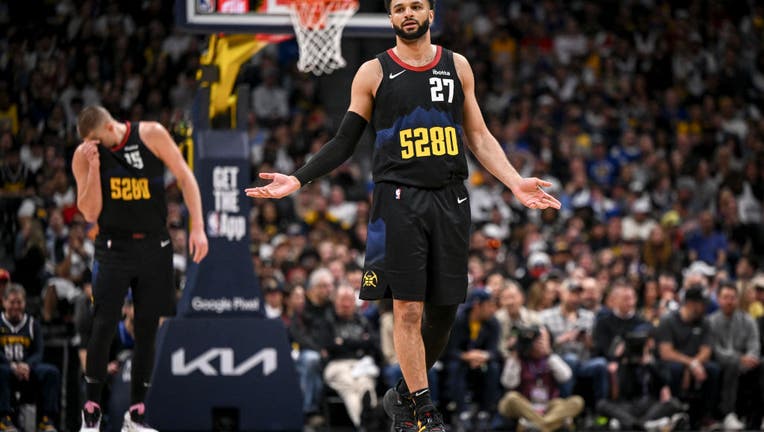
x,y
424,142
438,87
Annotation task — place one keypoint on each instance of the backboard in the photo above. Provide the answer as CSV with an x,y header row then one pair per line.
x,y
272,16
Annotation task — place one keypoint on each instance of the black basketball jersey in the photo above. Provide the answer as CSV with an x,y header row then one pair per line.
x,y
21,341
132,187
418,122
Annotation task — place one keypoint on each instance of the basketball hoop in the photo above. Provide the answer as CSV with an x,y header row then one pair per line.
x,y
318,25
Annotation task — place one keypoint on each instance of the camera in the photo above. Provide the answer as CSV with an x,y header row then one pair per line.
x,y
526,335
634,346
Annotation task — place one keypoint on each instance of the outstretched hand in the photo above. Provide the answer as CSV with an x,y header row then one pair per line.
x,y
280,186
530,193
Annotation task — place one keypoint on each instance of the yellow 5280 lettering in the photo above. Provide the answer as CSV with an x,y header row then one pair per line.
x,y
129,189
424,142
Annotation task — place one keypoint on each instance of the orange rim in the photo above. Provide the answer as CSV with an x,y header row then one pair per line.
x,y
312,13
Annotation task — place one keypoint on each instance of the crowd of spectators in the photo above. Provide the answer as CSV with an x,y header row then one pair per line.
x,y
645,115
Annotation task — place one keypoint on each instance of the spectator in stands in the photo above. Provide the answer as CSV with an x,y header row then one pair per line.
x,y
311,332
30,251
341,208
59,298
701,274
571,328
707,243
745,270
737,350
56,236
512,311
641,396
639,224
659,254
545,293
592,296
78,255
21,366
685,343
269,99
351,368
648,305
273,297
473,358
294,304
667,290
752,298
533,372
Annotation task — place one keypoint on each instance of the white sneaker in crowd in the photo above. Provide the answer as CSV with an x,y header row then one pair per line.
x,y
731,422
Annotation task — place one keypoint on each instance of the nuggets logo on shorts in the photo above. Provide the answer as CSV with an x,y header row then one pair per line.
x,y
370,279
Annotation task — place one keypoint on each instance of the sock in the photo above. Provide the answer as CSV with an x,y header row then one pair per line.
x,y
138,392
402,388
422,401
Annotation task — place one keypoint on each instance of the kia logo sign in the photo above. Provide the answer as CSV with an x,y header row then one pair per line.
x,y
204,362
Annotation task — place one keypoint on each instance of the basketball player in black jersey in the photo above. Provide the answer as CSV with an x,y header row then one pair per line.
x,y
119,169
420,100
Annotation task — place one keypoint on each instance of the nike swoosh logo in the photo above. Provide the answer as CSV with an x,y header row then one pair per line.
x,y
393,76
164,243
420,393
461,200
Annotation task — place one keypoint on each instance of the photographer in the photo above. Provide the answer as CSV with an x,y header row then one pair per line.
x,y
614,326
534,373
641,393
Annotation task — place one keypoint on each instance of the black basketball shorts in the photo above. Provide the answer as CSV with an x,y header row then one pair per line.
x,y
143,265
417,244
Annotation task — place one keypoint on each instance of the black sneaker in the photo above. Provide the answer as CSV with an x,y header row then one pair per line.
x,y
430,421
91,417
6,424
401,412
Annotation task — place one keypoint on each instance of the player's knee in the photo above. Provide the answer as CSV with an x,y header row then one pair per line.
x,y
437,321
408,313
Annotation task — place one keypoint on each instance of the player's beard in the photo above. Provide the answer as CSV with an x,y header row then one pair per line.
x,y
416,34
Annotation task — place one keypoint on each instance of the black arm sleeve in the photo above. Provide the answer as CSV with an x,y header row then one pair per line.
x,y
334,152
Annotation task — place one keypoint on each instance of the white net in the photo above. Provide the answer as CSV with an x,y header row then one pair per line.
x,y
318,25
